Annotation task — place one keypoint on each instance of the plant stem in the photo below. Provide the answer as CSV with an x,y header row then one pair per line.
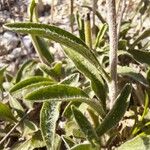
x,y
113,44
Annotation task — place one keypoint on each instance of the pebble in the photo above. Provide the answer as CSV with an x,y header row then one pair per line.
x,y
17,52
27,42
9,40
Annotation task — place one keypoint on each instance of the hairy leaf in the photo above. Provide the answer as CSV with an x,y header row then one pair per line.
x,y
84,146
27,82
68,142
141,142
54,72
132,73
58,35
62,92
2,70
91,72
42,49
140,56
5,113
48,122
101,34
32,143
85,126
143,35
72,80
117,112
20,71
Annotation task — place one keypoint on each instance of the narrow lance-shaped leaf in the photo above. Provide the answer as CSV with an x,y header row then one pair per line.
x,y
100,35
132,73
68,142
48,122
54,72
97,14
91,72
5,113
20,71
80,23
144,35
138,55
62,93
58,35
87,30
2,70
72,80
28,82
42,49
83,146
117,112
31,9
140,142
39,44
85,126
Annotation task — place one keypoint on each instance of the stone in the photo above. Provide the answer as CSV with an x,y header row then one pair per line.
x,y
9,40
17,52
27,42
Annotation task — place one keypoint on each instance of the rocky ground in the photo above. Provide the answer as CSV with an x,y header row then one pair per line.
x,y
15,49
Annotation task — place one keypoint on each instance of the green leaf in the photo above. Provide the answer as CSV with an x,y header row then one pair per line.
x,y
68,142
85,126
54,72
67,113
32,87
100,35
42,49
29,128
117,112
62,93
27,82
72,80
140,142
48,122
91,72
5,113
132,73
52,32
14,104
84,146
100,17
140,56
20,71
58,35
2,70
31,9
80,23
31,144
143,35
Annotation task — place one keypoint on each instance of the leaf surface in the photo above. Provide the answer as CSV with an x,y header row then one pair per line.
x,y
5,113
83,147
117,112
27,82
85,126
58,35
132,73
48,122
62,92
140,142
91,72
